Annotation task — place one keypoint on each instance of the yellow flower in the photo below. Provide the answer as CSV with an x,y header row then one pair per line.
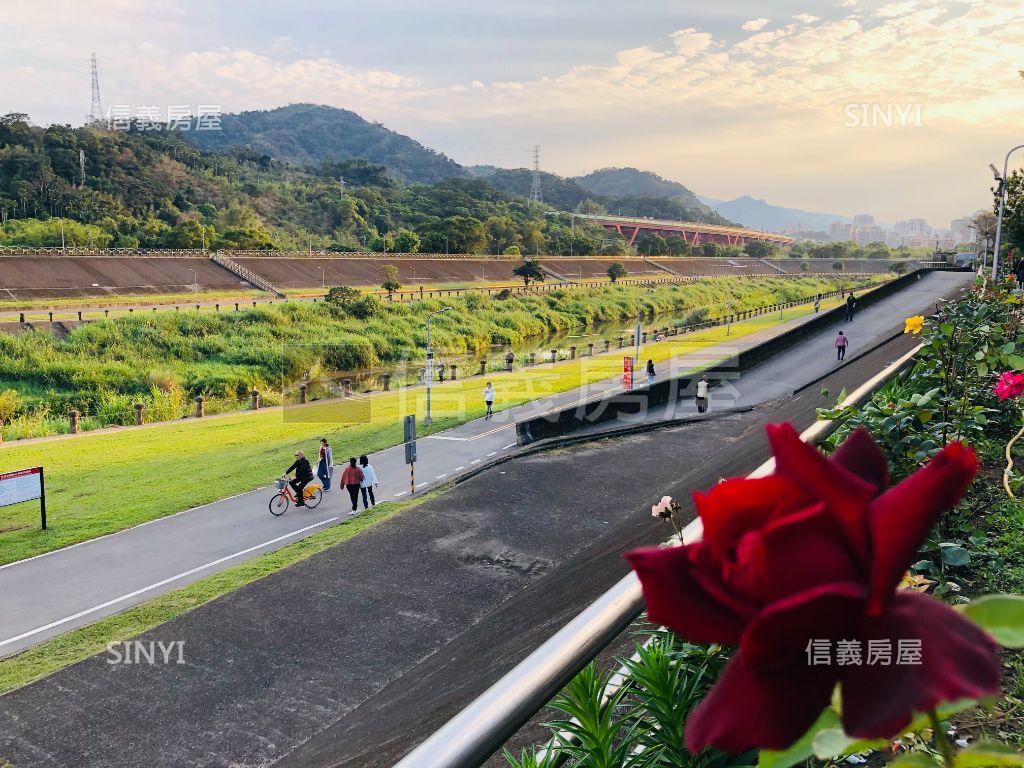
x,y
914,324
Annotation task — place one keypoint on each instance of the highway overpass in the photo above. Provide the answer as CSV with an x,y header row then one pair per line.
x,y
693,232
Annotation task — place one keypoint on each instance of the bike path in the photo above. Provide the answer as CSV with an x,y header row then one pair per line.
x,y
50,594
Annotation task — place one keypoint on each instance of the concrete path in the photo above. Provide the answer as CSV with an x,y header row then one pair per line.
x,y
53,593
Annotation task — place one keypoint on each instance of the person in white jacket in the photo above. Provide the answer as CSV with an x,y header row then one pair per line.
x,y
368,483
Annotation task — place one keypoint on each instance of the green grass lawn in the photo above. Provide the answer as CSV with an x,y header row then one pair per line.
x,y
102,482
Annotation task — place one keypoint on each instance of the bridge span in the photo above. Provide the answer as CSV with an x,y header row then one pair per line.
x,y
693,232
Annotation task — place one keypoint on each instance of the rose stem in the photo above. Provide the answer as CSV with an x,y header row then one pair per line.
x,y
943,739
1009,461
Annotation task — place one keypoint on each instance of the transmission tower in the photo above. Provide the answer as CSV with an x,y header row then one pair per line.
x,y
536,195
96,110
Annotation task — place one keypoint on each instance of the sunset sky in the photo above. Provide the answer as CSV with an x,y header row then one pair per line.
x,y
728,98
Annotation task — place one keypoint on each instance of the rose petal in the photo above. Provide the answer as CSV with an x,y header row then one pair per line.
x,y
845,494
958,661
738,505
759,708
678,600
860,455
790,555
899,519
781,633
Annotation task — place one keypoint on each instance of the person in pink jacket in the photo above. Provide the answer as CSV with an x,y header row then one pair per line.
x,y
842,342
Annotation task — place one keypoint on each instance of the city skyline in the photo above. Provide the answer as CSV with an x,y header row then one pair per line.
x,y
821,107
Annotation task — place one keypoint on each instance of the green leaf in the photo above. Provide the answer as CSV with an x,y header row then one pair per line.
x,y
802,748
985,754
914,760
924,416
1016,362
954,554
1002,616
1008,348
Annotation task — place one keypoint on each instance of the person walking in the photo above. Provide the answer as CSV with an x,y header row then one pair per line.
x,y
510,358
702,395
650,373
440,370
303,477
325,464
352,479
842,342
851,303
817,302
368,482
489,400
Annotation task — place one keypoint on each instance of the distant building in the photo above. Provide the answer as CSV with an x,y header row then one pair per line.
x,y
962,230
919,227
863,220
868,233
840,231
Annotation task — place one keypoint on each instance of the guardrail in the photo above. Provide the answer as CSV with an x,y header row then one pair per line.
x,y
475,733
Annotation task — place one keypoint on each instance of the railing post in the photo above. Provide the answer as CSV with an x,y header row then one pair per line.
x,y
590,348
554,355
73,422
455,371
255,398
385,381
572,352
302,393
607,344
139,407
346,387
199,406
483,367
533,358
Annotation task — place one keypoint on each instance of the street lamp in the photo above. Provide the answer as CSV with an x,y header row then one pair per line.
x,y
195,280
430,359
1002,204
323,278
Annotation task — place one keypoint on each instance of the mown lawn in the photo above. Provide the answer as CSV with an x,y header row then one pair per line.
x,y
98,483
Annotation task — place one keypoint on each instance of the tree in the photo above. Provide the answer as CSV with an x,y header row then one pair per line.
x,y
758,249
677,246
406,241
837,266
512,250
652,245
616,270
390,274
465,234
433,242
898,267
529,271
712,250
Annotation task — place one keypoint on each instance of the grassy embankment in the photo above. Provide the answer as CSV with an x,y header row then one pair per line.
x,y
107,481
164,360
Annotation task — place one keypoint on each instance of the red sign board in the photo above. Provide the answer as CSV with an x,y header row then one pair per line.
x,y
19,486
627,373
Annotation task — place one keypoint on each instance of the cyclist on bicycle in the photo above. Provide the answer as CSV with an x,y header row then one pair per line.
x,y
303,476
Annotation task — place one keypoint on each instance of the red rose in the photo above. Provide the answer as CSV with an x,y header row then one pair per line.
x,y
1010,385
814,552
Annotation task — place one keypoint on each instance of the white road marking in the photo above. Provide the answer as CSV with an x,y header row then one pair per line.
x,y
421,485
159,584
510,445
441,476
458,469
492,453
474,461
401,493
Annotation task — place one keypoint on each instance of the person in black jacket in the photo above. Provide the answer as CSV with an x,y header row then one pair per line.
x,y
303,476
851,305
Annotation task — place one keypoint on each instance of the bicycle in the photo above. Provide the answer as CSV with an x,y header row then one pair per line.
x,y
312,495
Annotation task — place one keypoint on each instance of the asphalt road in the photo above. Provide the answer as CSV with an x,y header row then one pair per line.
x,y
48,595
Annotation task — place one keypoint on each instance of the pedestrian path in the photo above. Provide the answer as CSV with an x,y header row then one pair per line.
x,y
50,594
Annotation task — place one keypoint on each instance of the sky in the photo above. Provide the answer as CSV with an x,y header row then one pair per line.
x,y
895,108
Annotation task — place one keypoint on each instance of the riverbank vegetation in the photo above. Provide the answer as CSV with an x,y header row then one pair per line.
x,y
165,360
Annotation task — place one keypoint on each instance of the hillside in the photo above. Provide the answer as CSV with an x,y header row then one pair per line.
x,y
759,214
308,134
630,182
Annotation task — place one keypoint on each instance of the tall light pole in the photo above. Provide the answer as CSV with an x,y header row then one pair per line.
x,y
1002,205
430,359
323,278
195,280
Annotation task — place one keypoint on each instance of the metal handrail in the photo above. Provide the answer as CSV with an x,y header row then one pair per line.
x,y
473,735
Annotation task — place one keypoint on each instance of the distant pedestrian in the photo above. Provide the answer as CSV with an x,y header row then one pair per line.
x,y
842,342
489,400
510,358
325,464
368,482
440,371
851,304
352,479
817,303
702,395
650,373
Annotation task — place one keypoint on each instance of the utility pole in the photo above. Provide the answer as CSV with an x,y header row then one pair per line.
x,y
96,109
430,360
536,195
1002,205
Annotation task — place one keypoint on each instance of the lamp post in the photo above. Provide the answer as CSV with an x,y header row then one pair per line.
x,y
323,278
1002,205
195,280
430,359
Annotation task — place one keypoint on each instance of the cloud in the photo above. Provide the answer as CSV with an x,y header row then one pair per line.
x,y
755,25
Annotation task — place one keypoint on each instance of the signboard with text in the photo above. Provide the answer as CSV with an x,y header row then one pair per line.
x,y
627,373
24,485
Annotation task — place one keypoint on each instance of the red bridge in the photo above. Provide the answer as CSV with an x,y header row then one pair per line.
x,y
692,232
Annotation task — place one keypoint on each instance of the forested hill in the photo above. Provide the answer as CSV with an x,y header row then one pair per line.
x,y
630,182
308,134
